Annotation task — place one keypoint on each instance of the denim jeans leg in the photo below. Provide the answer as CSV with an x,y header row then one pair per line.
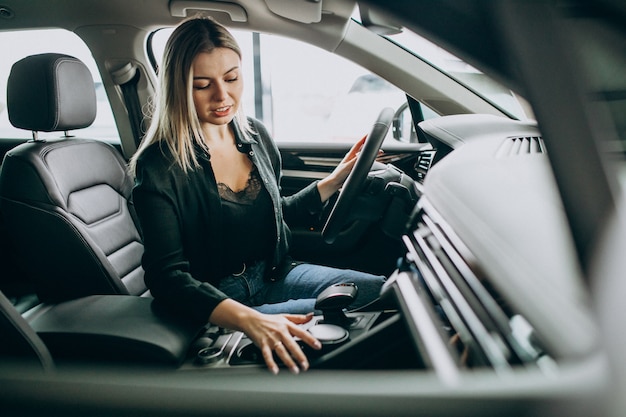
x,y
300,306
306,281
236,287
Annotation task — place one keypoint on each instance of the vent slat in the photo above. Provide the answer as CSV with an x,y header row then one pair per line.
x,y
458,286
518,146
423,164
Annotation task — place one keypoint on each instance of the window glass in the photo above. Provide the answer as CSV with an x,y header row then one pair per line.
x,y
303,93
19,44
464,73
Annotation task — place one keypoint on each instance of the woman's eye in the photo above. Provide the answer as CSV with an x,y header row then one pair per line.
x,y
201,86
232,80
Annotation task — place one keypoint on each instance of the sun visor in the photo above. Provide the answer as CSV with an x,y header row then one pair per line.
x,y
305,11
184,8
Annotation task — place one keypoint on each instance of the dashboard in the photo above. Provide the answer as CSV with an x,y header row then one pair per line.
x,y
494,209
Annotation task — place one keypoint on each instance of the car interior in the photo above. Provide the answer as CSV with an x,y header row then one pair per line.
x,y
502,257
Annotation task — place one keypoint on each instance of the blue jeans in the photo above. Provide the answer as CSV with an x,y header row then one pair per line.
x,y
297,292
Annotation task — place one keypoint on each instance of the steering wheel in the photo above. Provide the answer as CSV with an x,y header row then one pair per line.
x,y
352,186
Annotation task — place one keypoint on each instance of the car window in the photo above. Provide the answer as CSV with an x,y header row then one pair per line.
x,y
303,93
472,78
19,44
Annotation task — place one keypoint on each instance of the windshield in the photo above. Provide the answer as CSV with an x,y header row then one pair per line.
x,y
464,73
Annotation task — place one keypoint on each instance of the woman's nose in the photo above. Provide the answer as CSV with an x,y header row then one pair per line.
x,y
220,92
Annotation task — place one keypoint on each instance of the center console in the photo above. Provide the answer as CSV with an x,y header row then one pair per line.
x,y
350,340
219,348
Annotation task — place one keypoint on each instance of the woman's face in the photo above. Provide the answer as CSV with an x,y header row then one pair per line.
x,y
217,85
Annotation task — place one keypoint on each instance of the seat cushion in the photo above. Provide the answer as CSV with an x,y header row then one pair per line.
x,y
115,328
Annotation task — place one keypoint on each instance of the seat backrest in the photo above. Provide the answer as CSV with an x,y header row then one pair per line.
x,y
67,202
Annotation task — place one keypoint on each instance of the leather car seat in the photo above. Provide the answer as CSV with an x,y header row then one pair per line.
x,y
19,340
67,202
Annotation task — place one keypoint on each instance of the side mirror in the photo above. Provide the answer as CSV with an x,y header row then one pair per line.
x,y
403,128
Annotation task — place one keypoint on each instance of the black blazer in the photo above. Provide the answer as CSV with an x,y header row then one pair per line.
x,y
180,217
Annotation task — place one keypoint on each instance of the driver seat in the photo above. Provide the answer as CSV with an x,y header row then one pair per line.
x,y
67,202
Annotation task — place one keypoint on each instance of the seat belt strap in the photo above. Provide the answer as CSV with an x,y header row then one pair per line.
x,y
127,78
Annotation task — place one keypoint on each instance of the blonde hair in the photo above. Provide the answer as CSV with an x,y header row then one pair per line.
x,y
175,121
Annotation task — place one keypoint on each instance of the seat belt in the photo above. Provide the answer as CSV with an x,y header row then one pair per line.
x,y
127,77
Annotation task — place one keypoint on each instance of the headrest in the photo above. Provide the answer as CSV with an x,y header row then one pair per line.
x,y
51,92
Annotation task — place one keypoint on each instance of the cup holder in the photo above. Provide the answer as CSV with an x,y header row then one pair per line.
x,y
329,334
249,353
208,355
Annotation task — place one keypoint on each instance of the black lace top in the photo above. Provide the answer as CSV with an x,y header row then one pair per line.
x,y
248,216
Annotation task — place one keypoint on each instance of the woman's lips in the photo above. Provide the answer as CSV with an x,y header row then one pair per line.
x,y
222,111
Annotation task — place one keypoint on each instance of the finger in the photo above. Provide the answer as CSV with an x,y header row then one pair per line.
x,y
285,355
355,148
296,353
299,318
268,357
306,337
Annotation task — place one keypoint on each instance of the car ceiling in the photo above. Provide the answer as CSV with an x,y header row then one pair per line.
x,y
149,14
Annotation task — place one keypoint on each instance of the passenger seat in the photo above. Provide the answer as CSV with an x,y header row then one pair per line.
x,y
67,202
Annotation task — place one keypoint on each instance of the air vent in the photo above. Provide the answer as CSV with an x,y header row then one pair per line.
x,y
459,291
423,164
519,146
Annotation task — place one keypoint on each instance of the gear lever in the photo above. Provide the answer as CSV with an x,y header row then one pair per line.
x,y
332,302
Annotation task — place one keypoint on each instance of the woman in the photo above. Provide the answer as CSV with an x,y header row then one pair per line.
x,y
208,201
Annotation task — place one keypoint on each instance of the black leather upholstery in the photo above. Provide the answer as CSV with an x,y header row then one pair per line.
x,y
109,328
115,328
66,202
50,92
19,340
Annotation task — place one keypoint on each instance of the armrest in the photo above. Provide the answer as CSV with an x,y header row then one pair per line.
x,y
119,328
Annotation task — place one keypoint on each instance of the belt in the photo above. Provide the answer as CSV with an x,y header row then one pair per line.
x,y
240,273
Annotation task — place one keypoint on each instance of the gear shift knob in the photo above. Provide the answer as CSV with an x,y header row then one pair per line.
x,y
333,300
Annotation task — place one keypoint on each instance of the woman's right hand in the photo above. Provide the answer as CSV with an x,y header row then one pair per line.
x,y
270,333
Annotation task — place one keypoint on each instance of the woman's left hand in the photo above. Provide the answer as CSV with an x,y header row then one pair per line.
x,y
333,182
